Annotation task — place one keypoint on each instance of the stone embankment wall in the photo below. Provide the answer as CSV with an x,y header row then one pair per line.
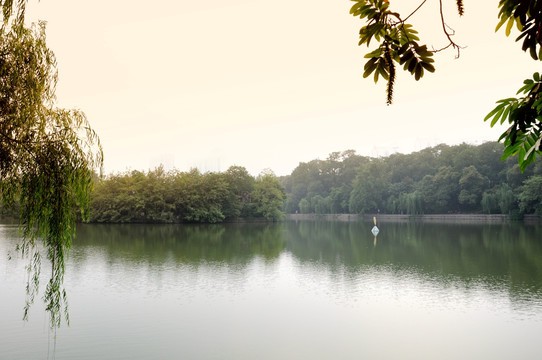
x,y
474,218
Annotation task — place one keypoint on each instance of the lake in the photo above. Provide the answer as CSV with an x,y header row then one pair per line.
x,y
291,290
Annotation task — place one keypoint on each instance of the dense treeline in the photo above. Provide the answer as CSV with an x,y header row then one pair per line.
x,y
441,179
158,196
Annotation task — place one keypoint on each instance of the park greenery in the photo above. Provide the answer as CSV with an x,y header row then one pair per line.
x,y
398,44
158,196
437,180
443,179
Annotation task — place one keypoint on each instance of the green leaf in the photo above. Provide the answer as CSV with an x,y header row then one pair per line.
x,y
521,155
497,115
402,49
535,146
418,72
374,54
428,67
526,88
532,50
406,57
376,76
383,69
500,23
355,8
370,66
493,112
510,151
504,115
507,100
509,26
412,65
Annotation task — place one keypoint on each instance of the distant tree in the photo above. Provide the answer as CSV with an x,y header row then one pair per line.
x,y
398,44
440,191
200,197
156,200
338,199
369,189
414,203
530,195
268,196
240,183
305,178
320,205
304,206
472,185
116,200
439,179
515,177
331,179
489,202
396,194
505,198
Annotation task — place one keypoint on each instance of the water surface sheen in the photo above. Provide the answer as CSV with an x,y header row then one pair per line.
x,y
305,290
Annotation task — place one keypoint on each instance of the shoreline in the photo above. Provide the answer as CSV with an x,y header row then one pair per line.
x,y
381,218
436,218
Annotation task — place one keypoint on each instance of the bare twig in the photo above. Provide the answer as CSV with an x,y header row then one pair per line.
x,y
412,13
448,34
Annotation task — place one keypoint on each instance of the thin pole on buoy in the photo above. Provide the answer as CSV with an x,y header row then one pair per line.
x,y
375,230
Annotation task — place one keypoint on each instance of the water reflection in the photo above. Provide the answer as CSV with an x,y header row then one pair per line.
x,y
316,290
509,254
232,244
496,255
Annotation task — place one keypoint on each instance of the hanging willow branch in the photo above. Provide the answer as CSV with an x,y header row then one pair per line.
x,y
48,156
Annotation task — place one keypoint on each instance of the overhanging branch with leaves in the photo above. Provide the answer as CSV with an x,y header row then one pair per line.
x,y
398,43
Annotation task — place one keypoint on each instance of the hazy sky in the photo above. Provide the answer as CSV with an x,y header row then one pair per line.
x,y
267,84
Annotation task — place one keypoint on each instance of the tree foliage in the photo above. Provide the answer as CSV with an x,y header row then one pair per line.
x,y
524,115
442,179
47,154
398,43
268,196
530,197
158,196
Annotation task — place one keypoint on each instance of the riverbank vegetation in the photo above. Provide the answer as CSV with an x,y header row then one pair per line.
x,y
437,180
443,179
158,196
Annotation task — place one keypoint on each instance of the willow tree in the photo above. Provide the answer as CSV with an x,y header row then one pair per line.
x,y
47,155
398,44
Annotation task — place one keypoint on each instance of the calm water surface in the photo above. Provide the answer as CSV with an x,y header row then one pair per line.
x,y
307,290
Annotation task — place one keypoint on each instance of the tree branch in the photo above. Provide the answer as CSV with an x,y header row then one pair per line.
x,y
448,35
412,13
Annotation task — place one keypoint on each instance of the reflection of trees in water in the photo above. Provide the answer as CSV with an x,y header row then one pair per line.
x,y
232,244
495,254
